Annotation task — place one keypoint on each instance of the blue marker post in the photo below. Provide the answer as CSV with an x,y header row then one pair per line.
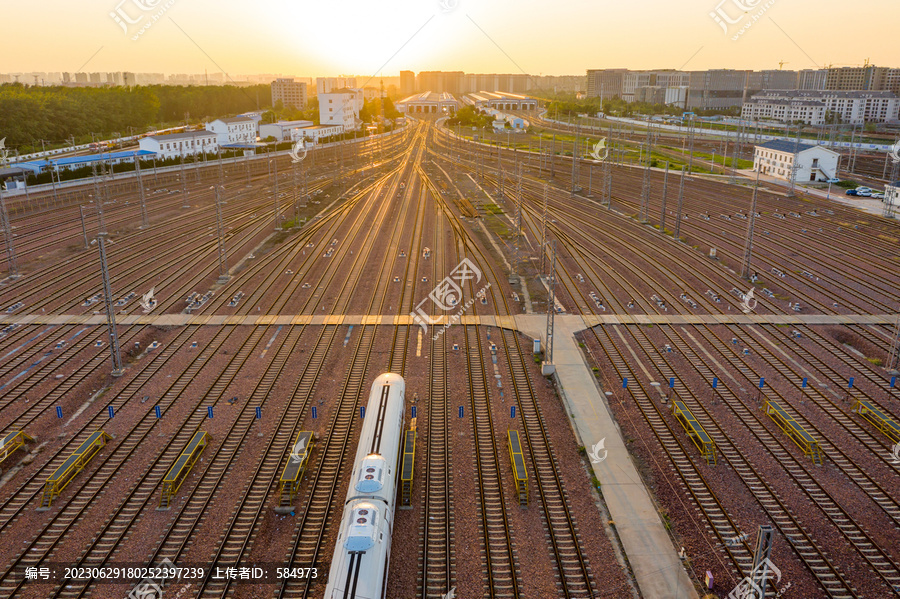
x,y
158,411
414,411
209,411
258,412
672,383
762,382
58,412
625,383
362,411
112,412
314,414
850,383
805,383
460,411
893,382
715,382
512,411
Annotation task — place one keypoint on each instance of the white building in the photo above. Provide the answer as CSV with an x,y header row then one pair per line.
x,y
233,130
341,107
315,132
176,145
282,130
892,194
814,163
785,110
811,106
500,101
428,102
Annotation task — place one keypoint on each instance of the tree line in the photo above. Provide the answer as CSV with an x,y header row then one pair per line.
x,y
56,114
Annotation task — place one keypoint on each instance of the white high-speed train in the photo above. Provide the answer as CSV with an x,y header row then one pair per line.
x,y
360,564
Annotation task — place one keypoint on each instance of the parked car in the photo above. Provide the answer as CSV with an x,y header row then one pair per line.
x,y
850,192
833,180
878,196
864,193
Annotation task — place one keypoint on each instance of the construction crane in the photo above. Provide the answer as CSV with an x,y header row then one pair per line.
x,y
781,63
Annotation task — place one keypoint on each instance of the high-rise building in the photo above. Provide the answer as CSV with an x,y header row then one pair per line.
x,y
290,92
407,82
868,77
717,89
325,85
812,79
605,83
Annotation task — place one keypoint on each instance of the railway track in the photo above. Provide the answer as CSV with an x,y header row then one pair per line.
x,y
437,556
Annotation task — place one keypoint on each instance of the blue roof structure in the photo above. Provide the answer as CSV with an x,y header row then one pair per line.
x,y
73,161
783,146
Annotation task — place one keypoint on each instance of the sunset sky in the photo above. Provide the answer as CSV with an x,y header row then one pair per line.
x,y
360,37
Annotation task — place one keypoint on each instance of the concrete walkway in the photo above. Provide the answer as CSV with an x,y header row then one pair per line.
x,y
651,555
511,322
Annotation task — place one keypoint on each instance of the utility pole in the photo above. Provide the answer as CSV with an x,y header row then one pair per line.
x,y
223,268
83,227
761,561
677,233
547,366
590,192
751,220
117,368
575,162
515,265
662,218
691,147
275,170
795,165
101,223
895,347
552,155
184,200
544,231
13,266
645,190
137,169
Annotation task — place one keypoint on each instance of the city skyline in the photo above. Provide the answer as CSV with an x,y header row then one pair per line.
x,y
489,37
